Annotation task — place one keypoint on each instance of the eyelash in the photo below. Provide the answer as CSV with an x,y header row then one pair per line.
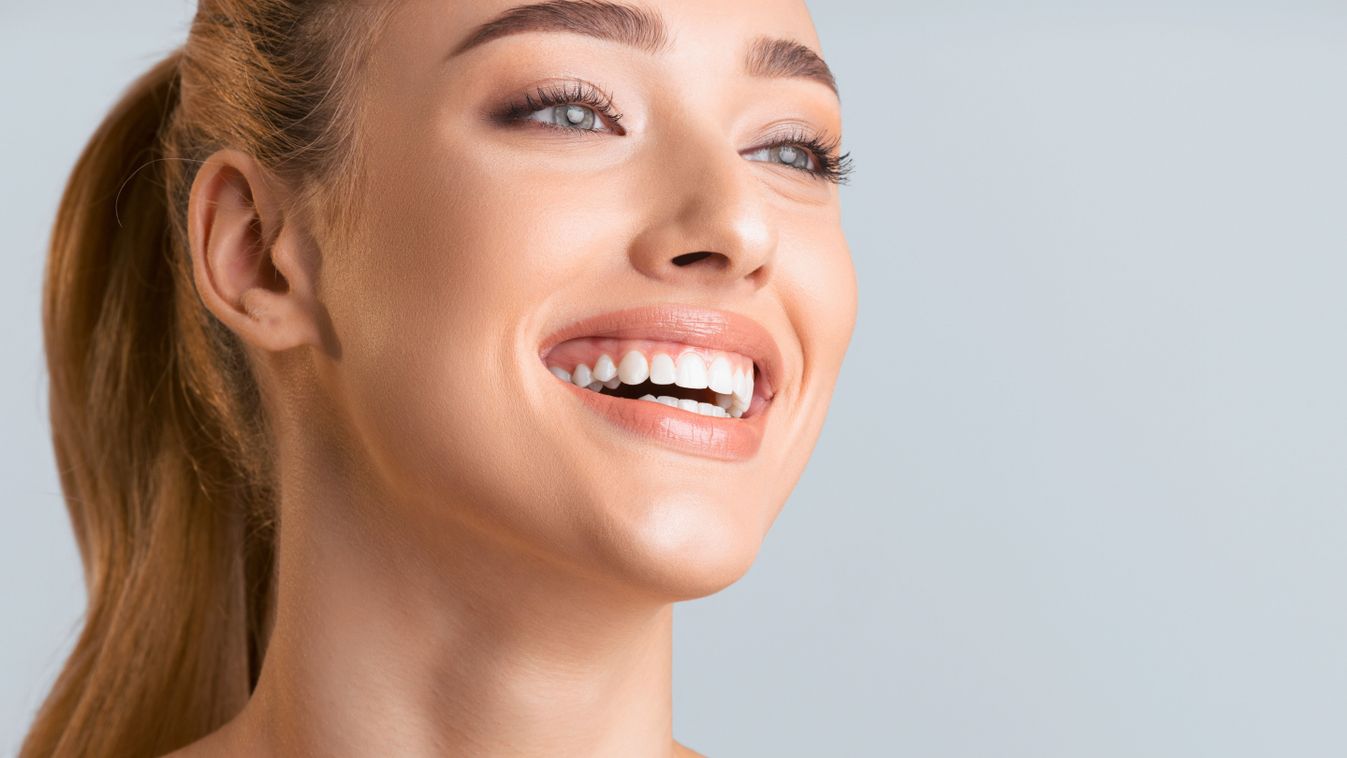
x,y
831,167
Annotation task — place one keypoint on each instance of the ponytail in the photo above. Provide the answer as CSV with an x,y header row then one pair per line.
x,y
161,439
165,504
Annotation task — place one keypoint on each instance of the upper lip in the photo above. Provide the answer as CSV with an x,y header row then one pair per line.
x,y
695,326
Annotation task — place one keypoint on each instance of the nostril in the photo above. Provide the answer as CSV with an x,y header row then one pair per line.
x,y
688,259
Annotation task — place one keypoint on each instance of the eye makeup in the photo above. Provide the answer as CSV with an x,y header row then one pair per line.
x,y
816,154
553,95
820,154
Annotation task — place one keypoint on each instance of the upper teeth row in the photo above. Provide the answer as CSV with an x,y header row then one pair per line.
x,y
733,386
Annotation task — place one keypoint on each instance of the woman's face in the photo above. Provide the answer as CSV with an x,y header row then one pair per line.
x,y
633,237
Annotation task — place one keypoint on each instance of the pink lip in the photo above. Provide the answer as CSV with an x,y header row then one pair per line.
x,y
725,439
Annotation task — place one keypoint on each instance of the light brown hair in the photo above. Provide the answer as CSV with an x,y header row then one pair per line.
x,y
164,452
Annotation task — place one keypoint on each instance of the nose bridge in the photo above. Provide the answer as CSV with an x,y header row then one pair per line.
x,y
708,221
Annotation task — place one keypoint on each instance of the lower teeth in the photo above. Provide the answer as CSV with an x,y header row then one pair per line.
x,y
726,405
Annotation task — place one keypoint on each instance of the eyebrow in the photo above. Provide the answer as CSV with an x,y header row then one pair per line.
x,y
644,30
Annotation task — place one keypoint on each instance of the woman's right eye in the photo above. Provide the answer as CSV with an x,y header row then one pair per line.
x,y
569,116
574,107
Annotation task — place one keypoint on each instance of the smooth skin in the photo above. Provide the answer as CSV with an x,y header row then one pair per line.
x,y
471,562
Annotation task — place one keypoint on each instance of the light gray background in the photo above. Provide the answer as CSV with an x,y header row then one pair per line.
x,y
1082,492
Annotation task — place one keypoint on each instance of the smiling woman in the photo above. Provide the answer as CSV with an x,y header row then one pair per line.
x,y
410,359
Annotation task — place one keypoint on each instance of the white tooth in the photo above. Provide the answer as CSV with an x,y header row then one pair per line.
x,y
743,388
651,398
604,368
706,409
724,401
560,373
740,403
662,369
613,383
722,375
688,405
634,368
672,402
581,376
691,372
596,386
736,413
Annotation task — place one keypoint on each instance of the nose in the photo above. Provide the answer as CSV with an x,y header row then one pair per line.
x,y
709,224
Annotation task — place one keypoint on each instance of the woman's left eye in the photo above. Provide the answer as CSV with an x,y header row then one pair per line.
x,y
581,107
789,155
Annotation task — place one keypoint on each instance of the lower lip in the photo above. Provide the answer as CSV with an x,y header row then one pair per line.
x,y
728,439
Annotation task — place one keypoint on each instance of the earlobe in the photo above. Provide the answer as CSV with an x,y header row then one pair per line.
x,y
248,258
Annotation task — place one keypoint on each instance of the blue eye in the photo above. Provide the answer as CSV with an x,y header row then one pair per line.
x,y
569,116
580,107
788,155
814,155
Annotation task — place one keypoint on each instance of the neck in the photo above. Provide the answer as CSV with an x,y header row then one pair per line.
x,y
390,641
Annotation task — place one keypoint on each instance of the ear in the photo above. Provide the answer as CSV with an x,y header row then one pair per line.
x,y
254,267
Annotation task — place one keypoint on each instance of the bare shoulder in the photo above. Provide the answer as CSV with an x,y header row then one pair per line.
x,y
683,751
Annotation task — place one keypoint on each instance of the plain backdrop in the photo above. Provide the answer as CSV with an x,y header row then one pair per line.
x,y
1083,488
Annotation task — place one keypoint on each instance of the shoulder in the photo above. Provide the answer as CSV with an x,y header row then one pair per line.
x,y
683,751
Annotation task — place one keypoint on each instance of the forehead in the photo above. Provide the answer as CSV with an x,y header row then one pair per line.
x,y
690,28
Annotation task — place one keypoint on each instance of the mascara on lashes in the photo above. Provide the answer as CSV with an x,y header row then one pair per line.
x,y
831,167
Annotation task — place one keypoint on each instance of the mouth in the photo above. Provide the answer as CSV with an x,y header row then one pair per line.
x,y
699,379
713,383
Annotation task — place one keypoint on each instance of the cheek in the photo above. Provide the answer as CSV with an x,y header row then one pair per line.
x,y
833,291
430,313
450,405
458,417
820,278
819,289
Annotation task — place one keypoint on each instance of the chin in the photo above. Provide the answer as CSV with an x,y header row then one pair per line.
x,y
683,546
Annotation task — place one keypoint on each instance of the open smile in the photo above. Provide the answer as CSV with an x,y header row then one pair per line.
x,y
700,380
